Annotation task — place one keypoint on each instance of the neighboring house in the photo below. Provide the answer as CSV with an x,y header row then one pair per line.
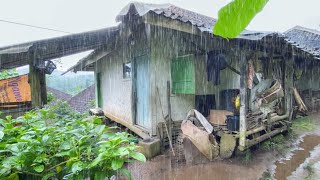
x,y
84,100
162,46
59,95
80,102
307,72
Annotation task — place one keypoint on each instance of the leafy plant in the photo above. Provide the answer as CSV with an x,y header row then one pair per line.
x,y
55,141
50,97
235,17
8,73
246,157
276,143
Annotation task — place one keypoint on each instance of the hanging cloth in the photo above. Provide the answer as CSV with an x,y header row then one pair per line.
x,y
250,75
215,63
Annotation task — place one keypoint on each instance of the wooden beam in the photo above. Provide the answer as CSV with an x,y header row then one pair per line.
x,y
139,131
264,137
158,20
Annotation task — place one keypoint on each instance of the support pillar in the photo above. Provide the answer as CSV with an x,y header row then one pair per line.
x,y
243,98
37,81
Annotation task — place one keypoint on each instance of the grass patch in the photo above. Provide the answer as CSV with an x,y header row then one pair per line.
x,y
246,157
266,176
275,143
303,123
309,168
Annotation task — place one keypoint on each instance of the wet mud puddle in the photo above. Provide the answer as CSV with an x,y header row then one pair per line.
x,y
286,167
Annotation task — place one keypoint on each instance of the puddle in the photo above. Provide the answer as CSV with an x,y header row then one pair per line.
x,y
286,167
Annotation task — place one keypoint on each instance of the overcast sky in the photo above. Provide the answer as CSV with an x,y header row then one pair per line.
x,y
84,15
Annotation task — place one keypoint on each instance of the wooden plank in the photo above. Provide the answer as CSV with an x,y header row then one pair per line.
x,y
139,131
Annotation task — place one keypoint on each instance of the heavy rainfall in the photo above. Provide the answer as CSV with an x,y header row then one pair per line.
x,y
160,89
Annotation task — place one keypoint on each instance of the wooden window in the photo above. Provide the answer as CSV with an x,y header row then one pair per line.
x,y
182,75
127,70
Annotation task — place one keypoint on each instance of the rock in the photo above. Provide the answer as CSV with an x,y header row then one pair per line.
x,y
227,145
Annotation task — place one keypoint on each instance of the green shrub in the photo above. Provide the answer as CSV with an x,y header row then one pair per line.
x,y
55,141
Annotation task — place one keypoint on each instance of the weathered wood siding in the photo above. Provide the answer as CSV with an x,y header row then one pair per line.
x,y
166,45
309,79
117,91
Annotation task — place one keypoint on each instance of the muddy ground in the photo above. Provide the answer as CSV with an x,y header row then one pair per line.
x,y
298,158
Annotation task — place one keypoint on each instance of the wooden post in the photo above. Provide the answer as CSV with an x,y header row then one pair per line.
x,y
289,70
169,110
37,81
243,98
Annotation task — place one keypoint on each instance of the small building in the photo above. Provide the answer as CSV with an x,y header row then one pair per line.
x,y
58,95
165,61
307,72
84,100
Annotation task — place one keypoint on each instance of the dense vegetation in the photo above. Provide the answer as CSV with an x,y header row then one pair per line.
x,y
70,83
55,141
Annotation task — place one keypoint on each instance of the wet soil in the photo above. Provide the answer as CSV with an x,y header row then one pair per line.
x,y
163,168
287,167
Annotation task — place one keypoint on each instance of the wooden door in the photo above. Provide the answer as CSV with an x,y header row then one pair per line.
x,y
142,88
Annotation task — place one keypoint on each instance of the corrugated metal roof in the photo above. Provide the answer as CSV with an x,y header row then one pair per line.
x,y
18,55
82,102
59,94
305,39
202,22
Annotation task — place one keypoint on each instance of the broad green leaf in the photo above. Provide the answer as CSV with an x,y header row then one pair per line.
x,y
235,17
77,166
1,135
123,151
45,138
39,168
65,145
96,161
99,129
13,176
117,164
126,173
61,154
138,156
100,175
48,175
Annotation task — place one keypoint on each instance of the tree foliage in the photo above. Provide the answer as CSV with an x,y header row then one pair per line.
x,y
235,17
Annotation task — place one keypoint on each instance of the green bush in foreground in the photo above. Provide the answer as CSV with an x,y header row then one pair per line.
x,y
53,142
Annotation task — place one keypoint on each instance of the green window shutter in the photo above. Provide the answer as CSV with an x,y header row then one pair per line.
x,y
182,75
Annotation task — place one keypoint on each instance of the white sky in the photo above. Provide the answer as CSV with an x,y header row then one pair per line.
x,y
84,15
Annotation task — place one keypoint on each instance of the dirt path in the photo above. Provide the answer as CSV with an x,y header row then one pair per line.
x,y
263,165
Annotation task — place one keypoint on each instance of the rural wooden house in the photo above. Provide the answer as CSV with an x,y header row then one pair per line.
x,y
161,61
164,61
